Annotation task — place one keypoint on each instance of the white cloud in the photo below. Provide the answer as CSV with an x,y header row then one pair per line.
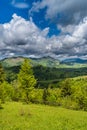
x,y
21,37
21,5
63,12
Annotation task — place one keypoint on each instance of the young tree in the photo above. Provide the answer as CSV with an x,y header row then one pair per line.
x,y
66,89
2,78
5,88
26,79
2,74
6,92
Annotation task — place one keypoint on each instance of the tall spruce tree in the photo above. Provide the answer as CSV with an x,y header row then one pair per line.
x,y
26,80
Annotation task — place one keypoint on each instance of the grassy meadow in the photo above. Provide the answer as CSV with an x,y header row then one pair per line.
x,y
18,116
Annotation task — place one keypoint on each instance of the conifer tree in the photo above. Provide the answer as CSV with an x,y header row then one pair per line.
x,y
26,79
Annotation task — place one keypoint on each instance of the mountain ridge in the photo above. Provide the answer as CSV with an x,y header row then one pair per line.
x,y
74,60
45,61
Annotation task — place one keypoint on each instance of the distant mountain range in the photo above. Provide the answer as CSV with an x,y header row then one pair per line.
x,y
46,61
74,60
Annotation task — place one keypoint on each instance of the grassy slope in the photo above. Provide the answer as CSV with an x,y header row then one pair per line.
x,y
16,116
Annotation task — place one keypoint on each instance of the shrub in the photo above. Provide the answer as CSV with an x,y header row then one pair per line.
x,y
67,102
6,92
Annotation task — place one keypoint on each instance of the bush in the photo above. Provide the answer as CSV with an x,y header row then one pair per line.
x,y
36,96
68,103
66,89
6,92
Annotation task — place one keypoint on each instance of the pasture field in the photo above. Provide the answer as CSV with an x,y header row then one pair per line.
x,y
19,116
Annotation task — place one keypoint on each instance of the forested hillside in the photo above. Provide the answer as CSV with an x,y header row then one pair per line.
x,y
46,75
66,87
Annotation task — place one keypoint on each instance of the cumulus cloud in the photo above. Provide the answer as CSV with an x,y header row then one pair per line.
x,y
19,37
62,12
24,38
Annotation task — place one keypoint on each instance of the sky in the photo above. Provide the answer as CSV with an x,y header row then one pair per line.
x,y
38,28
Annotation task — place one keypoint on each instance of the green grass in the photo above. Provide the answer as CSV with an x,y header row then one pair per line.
x,y
18,116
